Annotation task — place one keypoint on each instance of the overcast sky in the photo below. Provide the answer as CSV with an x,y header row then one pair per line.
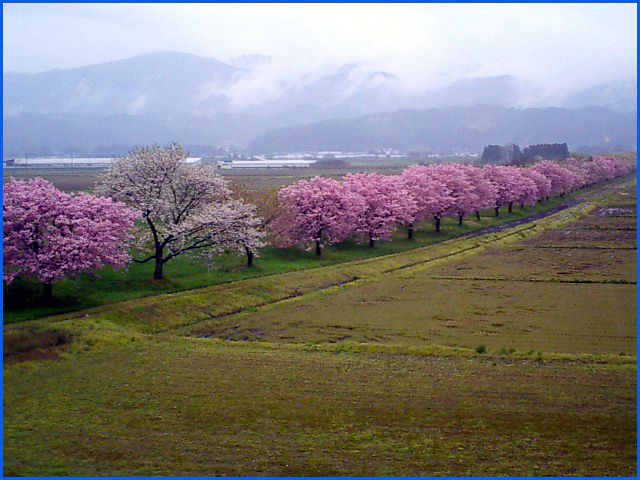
x,y
545,43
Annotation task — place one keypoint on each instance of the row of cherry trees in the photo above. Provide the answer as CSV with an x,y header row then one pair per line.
x,y
324,211
154,204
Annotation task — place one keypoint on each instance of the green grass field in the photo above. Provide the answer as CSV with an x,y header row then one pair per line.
x,y
403,364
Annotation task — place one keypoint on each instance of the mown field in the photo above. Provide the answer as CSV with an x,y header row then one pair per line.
x,y
507,353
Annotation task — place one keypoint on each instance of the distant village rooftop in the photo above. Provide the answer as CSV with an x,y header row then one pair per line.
x,y
69,162
227,164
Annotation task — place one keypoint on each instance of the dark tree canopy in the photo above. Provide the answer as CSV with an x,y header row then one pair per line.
x,y
511,155
497,154
555,151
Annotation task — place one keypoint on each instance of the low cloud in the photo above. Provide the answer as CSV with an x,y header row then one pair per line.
x,y
553,49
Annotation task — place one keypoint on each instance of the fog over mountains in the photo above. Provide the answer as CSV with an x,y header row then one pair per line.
x,y
167,96
457,129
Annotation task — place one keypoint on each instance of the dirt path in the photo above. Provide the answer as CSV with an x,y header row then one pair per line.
x,y
558,208
521,221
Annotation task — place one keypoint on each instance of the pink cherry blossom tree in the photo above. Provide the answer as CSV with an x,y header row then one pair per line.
x,y
561,178
387,204
485,193
600,169
526,188
576,179
623,166
464,194
595,171
606,168
580,169
49,234
507,184
319,211
185,208
543,184
429,191
620,166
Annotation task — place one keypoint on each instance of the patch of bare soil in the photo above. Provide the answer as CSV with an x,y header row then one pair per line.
x,y
26,345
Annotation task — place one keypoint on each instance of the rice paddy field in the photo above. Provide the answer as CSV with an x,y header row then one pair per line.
x,y
511,351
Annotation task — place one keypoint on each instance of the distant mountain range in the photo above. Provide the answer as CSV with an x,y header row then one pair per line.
x,y
176,96
150,83
178,83
458,129
621,96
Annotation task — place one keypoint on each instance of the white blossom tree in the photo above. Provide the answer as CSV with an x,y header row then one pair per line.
x,y
238,228
184,208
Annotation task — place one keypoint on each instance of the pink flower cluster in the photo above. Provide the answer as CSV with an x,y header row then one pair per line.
x,y
320,211
598,169
324,211
49,234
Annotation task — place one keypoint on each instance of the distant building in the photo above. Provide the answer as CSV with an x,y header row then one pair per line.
x,y
66,162
58,162
229,164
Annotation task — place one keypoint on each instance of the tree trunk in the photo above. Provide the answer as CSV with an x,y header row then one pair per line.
x,y
47,293
410,232
371,242
318,238
158,274
510,207
497,209
437,224
460,219
249,256
478,215
522,206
